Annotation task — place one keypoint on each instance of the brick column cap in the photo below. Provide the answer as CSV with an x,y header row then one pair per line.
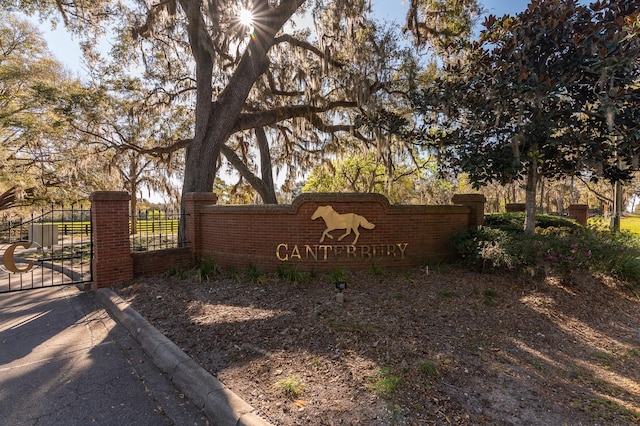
x,y
200,196
468,198
515,207
109,196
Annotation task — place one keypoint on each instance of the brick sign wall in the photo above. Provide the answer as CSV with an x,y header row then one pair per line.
x,y
375,233
316,232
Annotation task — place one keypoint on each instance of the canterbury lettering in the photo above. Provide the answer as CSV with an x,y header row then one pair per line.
x,y
9,261
325,253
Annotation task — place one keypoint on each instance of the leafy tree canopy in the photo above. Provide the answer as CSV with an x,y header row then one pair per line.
x,y
552,91
36,155
240,78
367,173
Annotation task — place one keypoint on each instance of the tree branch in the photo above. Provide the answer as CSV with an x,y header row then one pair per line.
x,y
597,194
244,171
252,120
288,38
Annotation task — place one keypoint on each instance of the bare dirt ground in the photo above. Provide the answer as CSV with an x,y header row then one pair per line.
x,y
411,348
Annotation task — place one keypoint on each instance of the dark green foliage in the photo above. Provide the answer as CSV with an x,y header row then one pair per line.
x,y
177,273
428,369
549,92
233,274
550,221
490,293
256,276
292,274
338,275
560,246
515,221
377,270
507,221
206,269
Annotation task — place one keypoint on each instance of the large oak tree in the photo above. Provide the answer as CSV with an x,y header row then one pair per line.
x,y
225,60
36,156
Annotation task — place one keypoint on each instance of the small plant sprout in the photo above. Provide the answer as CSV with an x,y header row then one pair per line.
x,y
207,268
428,369
490,294
291,387
256,276
489,297
377,270
386,384
338,275
292,274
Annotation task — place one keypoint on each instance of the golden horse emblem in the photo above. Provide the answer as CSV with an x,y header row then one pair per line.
x,y
350,222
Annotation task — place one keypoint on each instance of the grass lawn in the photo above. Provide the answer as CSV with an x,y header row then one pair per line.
x,y
631,224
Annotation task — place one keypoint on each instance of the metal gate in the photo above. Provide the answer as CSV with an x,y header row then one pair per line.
x,y
48,249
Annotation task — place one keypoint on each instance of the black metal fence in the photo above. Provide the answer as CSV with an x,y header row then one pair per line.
x,y
154,230
47,248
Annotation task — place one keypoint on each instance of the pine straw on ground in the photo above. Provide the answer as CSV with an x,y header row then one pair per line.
x,y
418,348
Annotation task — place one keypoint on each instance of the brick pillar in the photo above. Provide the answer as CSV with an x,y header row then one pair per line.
x,y
515,207
112,262
192,204
579,212
476,202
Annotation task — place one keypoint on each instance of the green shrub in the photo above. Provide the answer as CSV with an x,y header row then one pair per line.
x,y
486,247
551,221
338,275
514,222
505,221
256,276
561,247
619,255
292,274
206,269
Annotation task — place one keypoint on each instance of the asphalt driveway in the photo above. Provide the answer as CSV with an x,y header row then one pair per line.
x,y
64,361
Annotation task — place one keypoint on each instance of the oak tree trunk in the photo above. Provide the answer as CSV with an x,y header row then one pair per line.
x,y
215,121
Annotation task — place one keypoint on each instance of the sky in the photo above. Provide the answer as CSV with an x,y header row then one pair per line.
x,y
65,49
397,9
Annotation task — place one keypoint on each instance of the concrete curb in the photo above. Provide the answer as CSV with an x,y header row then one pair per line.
x,y
221,406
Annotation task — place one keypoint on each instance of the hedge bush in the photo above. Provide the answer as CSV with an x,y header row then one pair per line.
x,y
560,246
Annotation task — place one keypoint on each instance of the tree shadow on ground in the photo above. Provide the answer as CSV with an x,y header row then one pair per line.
x,y
452,345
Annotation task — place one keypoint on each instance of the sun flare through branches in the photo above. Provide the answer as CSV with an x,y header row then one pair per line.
x,y
245,18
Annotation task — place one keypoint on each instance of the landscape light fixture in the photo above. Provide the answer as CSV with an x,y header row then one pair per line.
x,y
340,286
